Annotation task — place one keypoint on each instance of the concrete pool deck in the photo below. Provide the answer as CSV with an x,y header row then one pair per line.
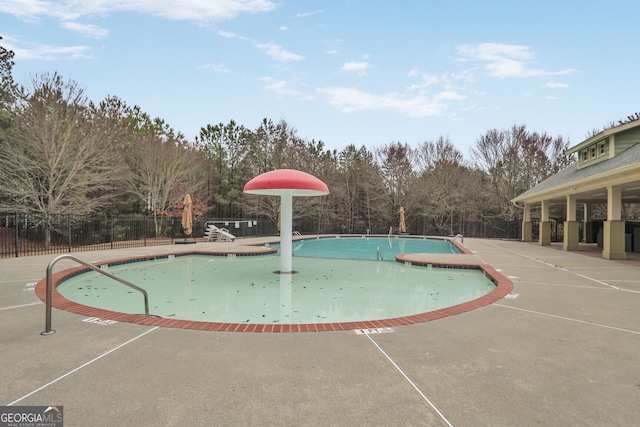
x,y
563,349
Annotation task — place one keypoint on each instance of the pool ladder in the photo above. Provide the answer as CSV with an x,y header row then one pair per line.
x,y
48,330
379,255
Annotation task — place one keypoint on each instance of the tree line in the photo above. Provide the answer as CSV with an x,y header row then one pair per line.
x,y
60,152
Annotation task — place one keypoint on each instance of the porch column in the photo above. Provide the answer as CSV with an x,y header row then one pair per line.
x,y
613,230
588,225
526,223
571,239
545,225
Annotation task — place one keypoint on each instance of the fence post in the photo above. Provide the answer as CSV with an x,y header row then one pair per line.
x,y
112,231
17,235
144,230
69,232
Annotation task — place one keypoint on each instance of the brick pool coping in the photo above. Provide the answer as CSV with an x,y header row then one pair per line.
x,y
503,287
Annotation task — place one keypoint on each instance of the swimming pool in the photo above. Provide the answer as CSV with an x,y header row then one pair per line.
x,y
370,248
244,289
198,290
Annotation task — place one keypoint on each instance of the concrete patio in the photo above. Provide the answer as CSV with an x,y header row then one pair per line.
x,y
563,349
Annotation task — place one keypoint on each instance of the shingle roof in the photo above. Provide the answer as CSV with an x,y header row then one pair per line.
x,y
571,173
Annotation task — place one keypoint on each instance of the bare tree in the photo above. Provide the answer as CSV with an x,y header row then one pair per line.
x,y
440,194
516,160
57,157
276,146
359,201
347,181
396,163
163,165
159,163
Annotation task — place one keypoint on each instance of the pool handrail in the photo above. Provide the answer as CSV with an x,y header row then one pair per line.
x,y
48,330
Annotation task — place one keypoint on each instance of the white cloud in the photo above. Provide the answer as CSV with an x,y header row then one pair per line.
x,y
228,35
359,67
87,30
450,83
191,10
274,51
281,88
426,79
448,95
307,14
504,61
48,52
277,52
217,67
349,100
554,85
31,10
71,13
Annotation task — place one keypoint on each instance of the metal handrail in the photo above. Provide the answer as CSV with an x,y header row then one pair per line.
x,y
48,330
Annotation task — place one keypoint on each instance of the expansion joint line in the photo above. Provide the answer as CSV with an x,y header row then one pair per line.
x,y
562,268
584,322
410,382
20,306
82,366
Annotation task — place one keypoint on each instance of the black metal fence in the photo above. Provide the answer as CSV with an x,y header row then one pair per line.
x,y
504,230
27,234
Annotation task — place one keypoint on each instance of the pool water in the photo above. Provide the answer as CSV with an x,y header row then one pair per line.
x,y
367,248
246,289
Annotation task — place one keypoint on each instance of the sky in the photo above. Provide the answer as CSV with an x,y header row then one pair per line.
x,y
362,72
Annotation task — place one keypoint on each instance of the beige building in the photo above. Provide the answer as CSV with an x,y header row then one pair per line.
x,y
607,172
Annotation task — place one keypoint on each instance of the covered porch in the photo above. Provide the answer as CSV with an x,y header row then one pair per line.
x,y
604,186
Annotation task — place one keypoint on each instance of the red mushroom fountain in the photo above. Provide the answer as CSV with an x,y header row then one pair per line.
x,y
286,183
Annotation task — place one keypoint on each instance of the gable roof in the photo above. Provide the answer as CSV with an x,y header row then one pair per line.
x,y
570,176
602,135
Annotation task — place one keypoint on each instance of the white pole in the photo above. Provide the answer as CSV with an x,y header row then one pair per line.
x,y
286,232
286,298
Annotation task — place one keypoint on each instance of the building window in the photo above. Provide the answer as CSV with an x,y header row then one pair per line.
x,y
584,155
593,152
603,149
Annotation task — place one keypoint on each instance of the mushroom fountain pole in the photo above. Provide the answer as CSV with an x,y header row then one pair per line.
x,y
286,183
286,232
